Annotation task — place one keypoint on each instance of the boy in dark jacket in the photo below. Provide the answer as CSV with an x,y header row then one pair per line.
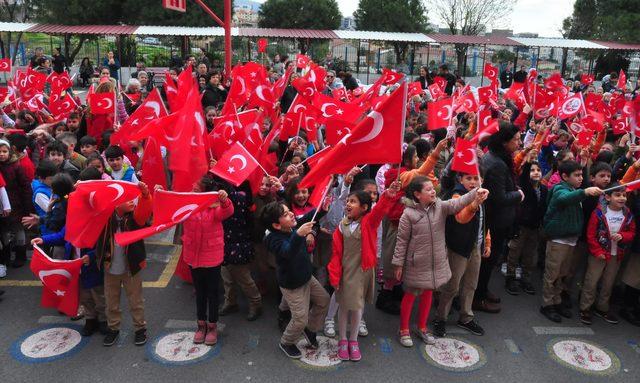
x,y
523,249
58,152
562,224
611,229
122,266
295,277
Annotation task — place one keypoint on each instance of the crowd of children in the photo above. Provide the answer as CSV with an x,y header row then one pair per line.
x,y
418,229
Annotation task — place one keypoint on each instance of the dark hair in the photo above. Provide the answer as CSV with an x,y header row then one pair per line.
x,y
408,154
505,133
568,167
208,184
89,174
363,183
46,168
18,140
57,146
74,115
605,156
612,185
423,147
271,213
600,167
113,151
88,140
292,189
363,197
96,156
410,136
62,184
416,185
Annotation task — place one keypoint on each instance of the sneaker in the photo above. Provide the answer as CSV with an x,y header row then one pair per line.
x,y
354,351
362,329
607,316
201,332
3,271
631,316
528,288
212,334
254,313
551,313
343,350
291,350
439,328
426,336
486,306
228,309
564,311
585,317
111,338
472,327
405,338
140,337
512,287
311,338
329,328
90,327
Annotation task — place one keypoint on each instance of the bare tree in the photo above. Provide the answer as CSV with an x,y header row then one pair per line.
x,y
470,18
17,11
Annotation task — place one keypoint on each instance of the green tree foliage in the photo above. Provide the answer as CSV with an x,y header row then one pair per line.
x,y
303,14
583,21
392,16
14,12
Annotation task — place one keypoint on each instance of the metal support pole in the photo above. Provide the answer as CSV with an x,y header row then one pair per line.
x,y
484,60
378,60
464,65
563,67
228,53
367,60
358,57
428,57
538,59
248,49
515,62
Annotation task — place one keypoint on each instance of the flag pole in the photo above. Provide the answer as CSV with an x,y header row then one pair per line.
x,y
316,153
405,90
622,186
324,195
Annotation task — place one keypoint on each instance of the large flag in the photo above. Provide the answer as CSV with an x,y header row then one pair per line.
x,y
235,165
153,172
376,139
90,207
152,108
465,159
302,61
169,209
60,280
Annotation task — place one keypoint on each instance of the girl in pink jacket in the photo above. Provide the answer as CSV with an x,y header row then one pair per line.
x,y
203,251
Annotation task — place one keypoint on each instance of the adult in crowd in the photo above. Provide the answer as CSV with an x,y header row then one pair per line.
x,y
451,79
113,64
214,91
59,61
521,75
86,71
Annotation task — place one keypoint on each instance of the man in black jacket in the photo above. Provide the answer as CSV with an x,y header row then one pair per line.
x,y
521,75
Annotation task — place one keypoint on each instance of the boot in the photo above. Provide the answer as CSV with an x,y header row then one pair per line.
x,y
90,327
21,256
212,334
199,336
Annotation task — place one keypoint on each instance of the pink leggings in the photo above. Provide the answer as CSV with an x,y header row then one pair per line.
x,y
423,309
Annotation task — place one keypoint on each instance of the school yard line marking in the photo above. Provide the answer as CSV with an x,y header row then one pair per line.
x,y
634,346
52,319
551,330
161,283
512,346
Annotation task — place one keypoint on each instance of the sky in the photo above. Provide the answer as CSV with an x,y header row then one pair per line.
x,y
543,17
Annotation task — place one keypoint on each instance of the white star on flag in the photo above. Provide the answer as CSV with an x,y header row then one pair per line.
x,y
60,293
230,170
339,111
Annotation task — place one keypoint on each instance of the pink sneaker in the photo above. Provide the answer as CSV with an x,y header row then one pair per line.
x,y
354,351
343,350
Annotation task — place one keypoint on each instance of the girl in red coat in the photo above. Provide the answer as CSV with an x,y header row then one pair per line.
x,y
203,251
353,262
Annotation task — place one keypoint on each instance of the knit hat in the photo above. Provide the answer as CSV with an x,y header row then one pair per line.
x,y
5,143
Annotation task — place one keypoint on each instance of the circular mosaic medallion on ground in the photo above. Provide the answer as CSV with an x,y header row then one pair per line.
x,y
325,357
178,348
48,344
584,356
453,354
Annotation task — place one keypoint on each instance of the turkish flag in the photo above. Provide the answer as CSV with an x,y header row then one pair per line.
x,y
235,165
317,76
466,103
487,93
169,209
262,97
317,158
339,94
234,127
60,281
415,88
61,107
319,191
465,159
485,129
571,106
593,121
584,137
592,100
436,91
391,77
171,91
304,87
328,108
515,92
90,207
335,130
153,172
440,113
490,72
102,103
441,82
262,45
376,139
281,84
587,79
554,81
5,65
619,126
60,81
151,109
575,127
622,81
302,61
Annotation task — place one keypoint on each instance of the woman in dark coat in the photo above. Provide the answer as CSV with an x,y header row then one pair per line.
x,y
504,197
214,92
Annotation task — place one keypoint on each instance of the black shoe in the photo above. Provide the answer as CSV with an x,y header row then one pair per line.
x,y
311,338
439,328
585,317
140,337
103,328
491,297
89,328
291,350
528,288
551,313
472,327
564,311
283,319
631,316
512,287
607,316
386,303
566,300
76,318
111,338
